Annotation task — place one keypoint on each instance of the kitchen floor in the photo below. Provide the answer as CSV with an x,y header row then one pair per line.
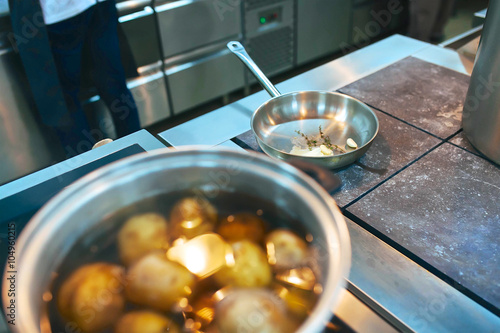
x,y
460,21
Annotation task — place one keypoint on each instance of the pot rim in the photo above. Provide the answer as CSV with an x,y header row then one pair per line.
x,y
46,221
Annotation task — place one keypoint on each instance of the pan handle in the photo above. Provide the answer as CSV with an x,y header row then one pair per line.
x,y
324,177
240,51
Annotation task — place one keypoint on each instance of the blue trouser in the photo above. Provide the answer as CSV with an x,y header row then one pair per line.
x,y
96,29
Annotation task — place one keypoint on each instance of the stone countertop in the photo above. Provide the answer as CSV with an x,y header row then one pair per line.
x,y
396,145
444,210
421,186
425,95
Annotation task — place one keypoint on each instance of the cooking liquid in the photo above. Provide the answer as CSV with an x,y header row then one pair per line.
x,y
100,244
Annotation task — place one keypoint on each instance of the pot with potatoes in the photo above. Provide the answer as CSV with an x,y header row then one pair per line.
x,y
191,240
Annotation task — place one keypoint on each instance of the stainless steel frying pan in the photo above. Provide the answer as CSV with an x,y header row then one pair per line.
x,y
277,121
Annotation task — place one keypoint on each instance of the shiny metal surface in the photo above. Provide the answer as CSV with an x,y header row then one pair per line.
x,y
481,114
360,317
446,58
229,144
130,6
229,121
240,52
187,25
140,29
479,17
101,143
150,96
26,145
271,45
276,122
142,137
460,40
204,79
50,234
322,27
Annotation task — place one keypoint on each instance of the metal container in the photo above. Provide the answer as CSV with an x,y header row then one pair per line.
x,y
276,122
26,144
187,25
329,21
270,34
208,74
52,232
481,115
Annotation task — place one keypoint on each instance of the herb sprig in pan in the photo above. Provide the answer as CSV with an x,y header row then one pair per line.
x,y
323,140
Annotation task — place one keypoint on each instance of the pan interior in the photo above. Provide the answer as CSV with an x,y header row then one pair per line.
x,y
340,117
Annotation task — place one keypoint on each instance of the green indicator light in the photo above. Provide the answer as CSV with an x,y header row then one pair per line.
x,y
262,20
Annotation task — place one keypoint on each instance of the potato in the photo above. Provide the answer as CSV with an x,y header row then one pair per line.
x,y
250,268
145,322
242,226
92,296
285,249
298,301
157,282
252,310
140,235
65,293
191,217
203,309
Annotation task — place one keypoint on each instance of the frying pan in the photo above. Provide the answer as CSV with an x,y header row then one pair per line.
x,y
276,122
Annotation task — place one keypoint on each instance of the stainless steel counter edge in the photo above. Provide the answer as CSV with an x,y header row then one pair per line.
x,y
148,142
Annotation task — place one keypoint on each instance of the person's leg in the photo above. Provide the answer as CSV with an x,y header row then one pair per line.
x,y
423,14
66,41
108,72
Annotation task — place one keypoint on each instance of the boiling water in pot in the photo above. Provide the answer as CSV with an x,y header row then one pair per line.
x,y
265,276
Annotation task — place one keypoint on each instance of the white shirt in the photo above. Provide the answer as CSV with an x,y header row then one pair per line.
x,y
59,10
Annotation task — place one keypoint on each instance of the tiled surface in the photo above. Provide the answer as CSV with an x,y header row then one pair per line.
x,y
247,140
396,145
423,94
444,209
461,140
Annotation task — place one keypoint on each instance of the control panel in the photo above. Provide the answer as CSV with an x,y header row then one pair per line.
x,y
270,16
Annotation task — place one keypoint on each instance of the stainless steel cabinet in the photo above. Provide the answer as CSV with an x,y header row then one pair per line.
x,y
188,25
150,95
138,24
203,79
25,144
322,27
269,34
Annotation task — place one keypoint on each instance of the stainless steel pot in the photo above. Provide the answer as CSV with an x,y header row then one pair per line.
x,y
83,206
276,121
481,114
